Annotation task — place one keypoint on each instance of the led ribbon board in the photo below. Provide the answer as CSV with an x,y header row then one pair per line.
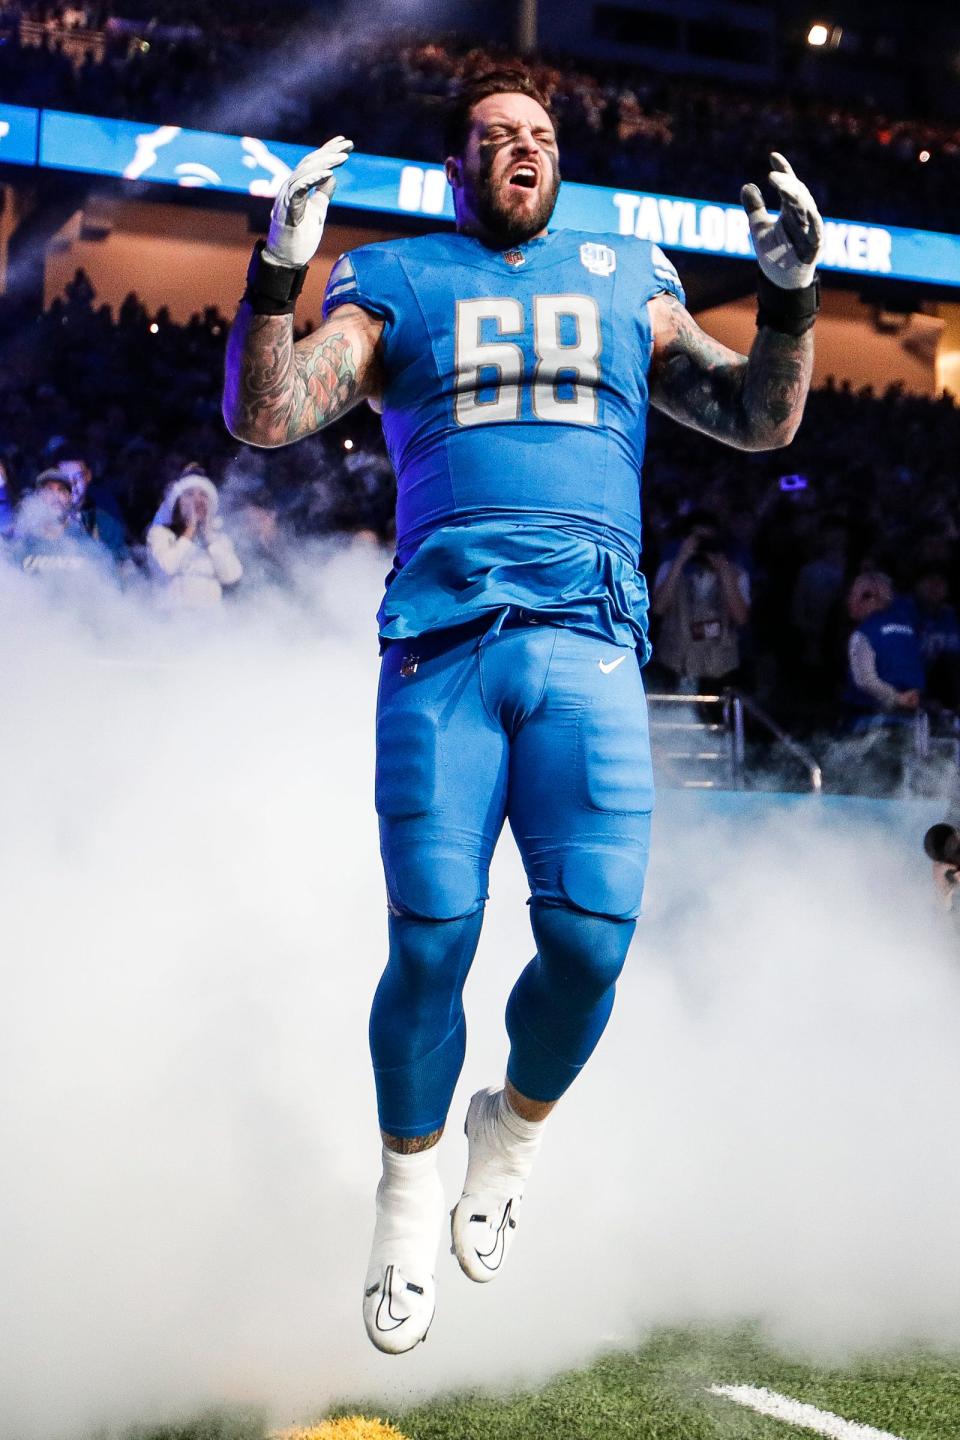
x,y
19,132
171,155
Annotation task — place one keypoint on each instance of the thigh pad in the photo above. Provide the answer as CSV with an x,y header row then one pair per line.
x,y
440,786
582,784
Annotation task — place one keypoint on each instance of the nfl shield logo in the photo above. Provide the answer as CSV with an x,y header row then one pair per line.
x,y
514,257
598,259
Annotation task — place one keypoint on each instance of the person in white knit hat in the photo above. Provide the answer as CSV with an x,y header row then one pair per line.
x,y
192,559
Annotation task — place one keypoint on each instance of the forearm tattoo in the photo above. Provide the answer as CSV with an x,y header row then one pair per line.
x,y
277,391
776,382
753,402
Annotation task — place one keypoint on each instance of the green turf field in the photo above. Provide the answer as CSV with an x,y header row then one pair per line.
x,y
661,1392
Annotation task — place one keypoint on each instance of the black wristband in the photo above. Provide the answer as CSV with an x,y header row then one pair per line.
x,y
272,289
790,312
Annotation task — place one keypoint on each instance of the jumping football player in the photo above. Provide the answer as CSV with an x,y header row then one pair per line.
x,y
513,367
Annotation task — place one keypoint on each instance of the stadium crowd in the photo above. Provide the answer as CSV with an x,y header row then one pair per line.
x,y
822,579
622,126
777,558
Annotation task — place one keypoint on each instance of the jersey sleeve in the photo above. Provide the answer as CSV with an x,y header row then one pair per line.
x,y
364,278
665,277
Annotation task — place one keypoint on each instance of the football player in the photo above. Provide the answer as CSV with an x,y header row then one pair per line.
x,y
513,366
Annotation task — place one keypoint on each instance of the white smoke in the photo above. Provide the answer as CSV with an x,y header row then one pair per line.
x,y
194,926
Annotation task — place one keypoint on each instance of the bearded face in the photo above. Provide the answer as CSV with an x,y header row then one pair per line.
x,y
507,182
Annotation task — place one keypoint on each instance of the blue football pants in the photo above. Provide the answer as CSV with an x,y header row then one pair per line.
x,y
546,727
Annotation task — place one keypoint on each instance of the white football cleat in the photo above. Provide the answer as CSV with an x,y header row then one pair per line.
x,y
482,1227
484,1219
399,1293
398,1312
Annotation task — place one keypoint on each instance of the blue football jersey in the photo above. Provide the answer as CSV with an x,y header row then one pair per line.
x,y
514,411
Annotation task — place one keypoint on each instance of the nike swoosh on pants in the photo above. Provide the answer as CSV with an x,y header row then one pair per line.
x,y
606,666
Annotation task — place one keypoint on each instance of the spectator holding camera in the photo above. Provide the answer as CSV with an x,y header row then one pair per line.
x,y
192,559
702,599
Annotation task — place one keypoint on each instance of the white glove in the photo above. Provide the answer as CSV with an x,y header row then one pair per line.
x,y
296,220
787,248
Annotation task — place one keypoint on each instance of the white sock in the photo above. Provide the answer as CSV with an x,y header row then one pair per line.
x,y
503,1147
522,1132
410,1212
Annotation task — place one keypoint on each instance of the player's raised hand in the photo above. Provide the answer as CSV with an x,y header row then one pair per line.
x,y
296,221
787,248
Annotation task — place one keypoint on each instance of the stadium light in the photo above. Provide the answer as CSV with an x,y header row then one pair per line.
x,y
824,36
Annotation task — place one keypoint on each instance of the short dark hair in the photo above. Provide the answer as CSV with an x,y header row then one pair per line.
x,y
505,81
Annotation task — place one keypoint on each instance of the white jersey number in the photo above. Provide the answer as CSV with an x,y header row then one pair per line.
x,y
566,375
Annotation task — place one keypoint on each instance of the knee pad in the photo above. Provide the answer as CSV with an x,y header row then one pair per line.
x,y
431,883
582,953
605,881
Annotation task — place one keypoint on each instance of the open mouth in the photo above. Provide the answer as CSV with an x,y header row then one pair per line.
x,y
524,177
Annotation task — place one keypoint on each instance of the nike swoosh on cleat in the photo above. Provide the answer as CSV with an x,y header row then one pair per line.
x,y
487,1259
385,1299
612,665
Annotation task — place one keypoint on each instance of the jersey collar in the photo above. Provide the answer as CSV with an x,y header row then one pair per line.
x,y
513,257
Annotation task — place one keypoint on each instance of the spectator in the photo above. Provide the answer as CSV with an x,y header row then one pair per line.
x,y
192,559
885,678
702,598
816,595
49,541
627,128
883,465
260,542
939,632
95,511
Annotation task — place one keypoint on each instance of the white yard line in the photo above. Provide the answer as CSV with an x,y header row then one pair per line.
x,y
794,1412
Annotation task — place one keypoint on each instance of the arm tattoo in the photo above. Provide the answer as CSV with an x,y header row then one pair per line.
x,y
752,402
325,386
776,383
277,391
